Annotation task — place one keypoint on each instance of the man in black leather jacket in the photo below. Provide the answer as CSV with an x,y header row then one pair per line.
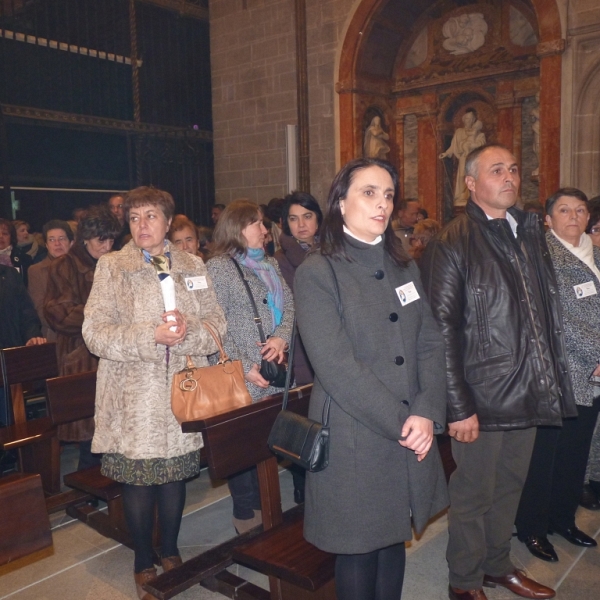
x,y
492,289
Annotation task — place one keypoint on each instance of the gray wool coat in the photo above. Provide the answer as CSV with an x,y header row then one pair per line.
x,y
242,334
580,317
381,362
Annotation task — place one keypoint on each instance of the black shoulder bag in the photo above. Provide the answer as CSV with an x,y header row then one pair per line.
x,y
299,439
274,372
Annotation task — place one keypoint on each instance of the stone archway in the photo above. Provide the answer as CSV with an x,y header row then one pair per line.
x,y
358,89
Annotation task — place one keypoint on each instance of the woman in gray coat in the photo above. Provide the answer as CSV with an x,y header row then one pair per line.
x,y
239,254
380,357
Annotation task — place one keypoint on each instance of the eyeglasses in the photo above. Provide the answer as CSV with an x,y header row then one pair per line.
x,y
595,230
60,239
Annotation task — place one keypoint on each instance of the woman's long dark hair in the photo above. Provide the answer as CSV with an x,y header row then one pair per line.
x,y
333,242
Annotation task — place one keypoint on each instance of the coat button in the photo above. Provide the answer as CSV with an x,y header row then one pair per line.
x,y
264,300
399,360
379,274
394,317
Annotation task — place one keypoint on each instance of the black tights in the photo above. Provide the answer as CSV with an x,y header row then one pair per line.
x,y
377,575
139,502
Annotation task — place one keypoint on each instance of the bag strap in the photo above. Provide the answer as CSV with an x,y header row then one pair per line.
x,y
327,405
288,375
257,319
223,358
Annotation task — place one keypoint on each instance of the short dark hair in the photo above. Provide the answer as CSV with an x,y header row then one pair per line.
x,y
303,199
472,162
148,195
564,192
332,232
219,206
275,209
11,230
98,222
57,224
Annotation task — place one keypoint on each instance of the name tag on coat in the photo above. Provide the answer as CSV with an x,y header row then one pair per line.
x,y
407,293
196,283
583,290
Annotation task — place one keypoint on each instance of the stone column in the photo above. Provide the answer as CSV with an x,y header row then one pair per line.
x,y
550,103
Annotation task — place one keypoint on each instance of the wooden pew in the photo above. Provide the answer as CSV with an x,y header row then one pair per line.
x,y
39,450
71,398
297,570
24,523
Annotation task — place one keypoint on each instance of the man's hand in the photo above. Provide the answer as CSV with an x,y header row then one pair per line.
x,y
35,341
466,431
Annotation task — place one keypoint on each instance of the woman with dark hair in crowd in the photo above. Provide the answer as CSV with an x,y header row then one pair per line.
x,y
239,243
70,279
301,218
143,316
556,474
378,356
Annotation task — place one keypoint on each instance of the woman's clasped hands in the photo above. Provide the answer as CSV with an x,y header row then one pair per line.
x,y
417,435
172,330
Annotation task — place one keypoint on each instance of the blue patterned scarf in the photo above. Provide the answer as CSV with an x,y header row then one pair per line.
x,y
255,259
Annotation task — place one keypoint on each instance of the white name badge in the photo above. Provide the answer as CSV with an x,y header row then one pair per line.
x,y
196,283
407,293
583,290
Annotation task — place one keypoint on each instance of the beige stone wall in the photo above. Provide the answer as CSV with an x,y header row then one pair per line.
x,y
253,62
580,139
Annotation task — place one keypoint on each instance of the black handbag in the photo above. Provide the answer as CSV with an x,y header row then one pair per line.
x,y
299,439
275,373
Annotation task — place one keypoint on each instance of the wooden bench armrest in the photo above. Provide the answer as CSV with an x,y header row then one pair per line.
x,y
23,434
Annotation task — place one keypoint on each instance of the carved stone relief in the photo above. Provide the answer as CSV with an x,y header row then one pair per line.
x,y
465,33
375,142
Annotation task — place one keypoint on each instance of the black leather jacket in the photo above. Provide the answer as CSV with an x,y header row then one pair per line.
x,y
506,358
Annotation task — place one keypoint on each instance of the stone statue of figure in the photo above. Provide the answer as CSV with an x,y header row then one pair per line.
x,y
375,140
534,117
465,139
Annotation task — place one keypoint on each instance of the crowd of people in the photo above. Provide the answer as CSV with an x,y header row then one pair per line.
x,y
484,329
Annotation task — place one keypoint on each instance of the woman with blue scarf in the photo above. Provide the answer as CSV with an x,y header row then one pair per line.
x,y
238,238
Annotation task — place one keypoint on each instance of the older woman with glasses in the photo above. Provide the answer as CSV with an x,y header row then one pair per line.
x,y
557,470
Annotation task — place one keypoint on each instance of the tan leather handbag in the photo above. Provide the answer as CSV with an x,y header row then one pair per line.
x,y
200,392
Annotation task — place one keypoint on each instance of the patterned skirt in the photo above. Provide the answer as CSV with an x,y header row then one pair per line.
x,y
150,471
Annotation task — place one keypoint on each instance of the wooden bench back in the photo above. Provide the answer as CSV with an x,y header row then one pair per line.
x,y
29,363
71,397
237,440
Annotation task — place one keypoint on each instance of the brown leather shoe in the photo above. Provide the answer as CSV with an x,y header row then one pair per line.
x,y
170,562
146,576
458,594
518,583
